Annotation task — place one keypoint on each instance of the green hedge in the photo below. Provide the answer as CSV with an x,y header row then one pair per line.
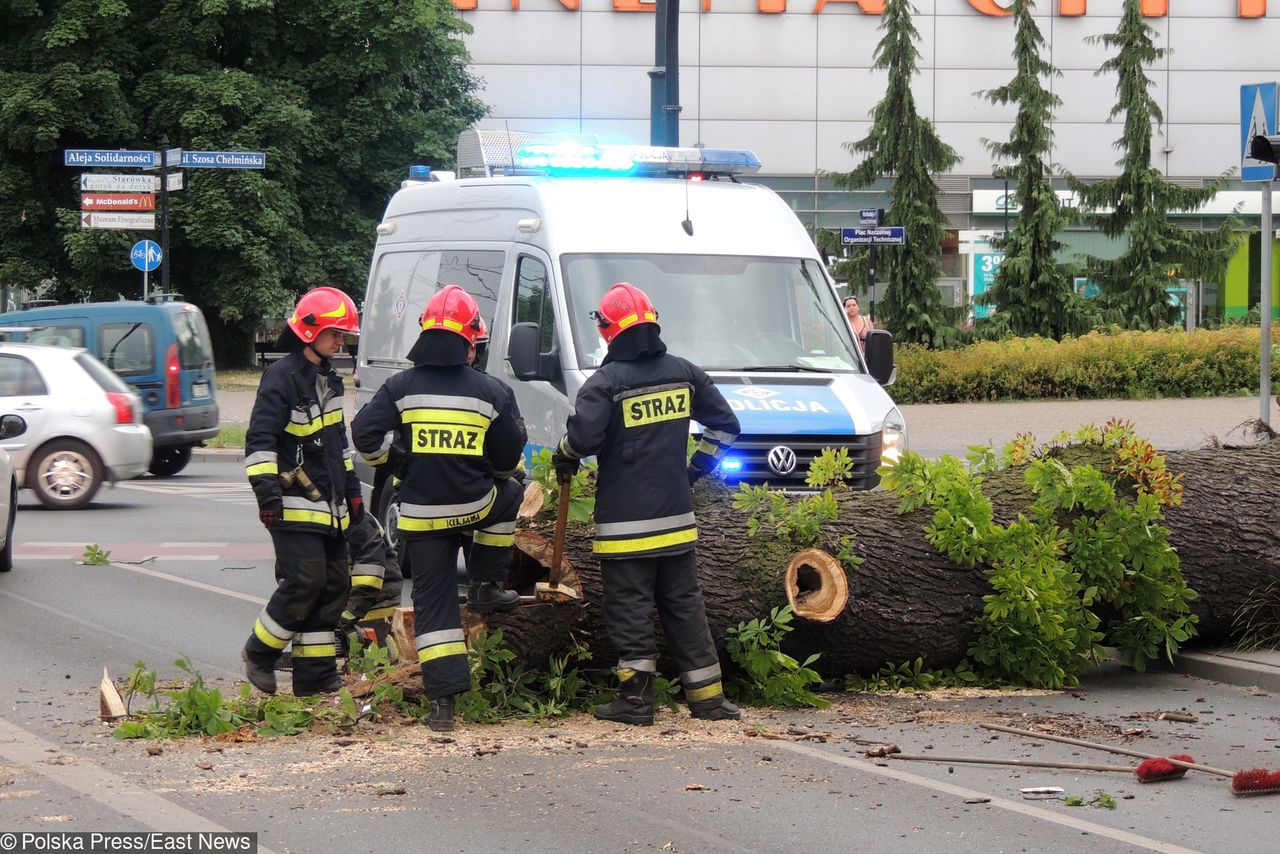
x,y
1167,363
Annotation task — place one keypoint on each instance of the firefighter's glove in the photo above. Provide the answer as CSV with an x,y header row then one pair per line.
x,y
355,506
566,467
270,514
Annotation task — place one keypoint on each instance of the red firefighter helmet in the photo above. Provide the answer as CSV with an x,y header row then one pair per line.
x,y
453,309
324,308
622,307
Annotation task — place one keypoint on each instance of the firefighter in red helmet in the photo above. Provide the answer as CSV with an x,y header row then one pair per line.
x,y
633,414
464,441
297,462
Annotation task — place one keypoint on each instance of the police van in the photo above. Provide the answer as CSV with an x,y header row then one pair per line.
x,y
538,227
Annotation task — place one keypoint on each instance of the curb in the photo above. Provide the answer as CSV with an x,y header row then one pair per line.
x,y
1232,671
219,455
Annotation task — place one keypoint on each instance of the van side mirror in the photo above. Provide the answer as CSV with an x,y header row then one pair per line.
x,y
11,426
522,351
879,354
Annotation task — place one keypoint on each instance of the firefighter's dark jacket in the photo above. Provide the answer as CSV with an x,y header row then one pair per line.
x,y
297,421
461,430
634,414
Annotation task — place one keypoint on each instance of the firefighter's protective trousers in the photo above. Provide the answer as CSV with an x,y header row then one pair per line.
x,y
311,589
437,620
633,587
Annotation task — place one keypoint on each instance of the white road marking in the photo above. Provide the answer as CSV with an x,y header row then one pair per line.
x,y
194,545
30,751
199,585
1002,803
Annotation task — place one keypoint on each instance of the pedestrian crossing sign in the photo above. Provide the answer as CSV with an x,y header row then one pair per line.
x,y
1257,118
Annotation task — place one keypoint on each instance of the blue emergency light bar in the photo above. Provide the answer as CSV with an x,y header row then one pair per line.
x,y
730,466
576,158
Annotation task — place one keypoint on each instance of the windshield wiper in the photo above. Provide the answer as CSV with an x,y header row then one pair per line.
x,y
783,368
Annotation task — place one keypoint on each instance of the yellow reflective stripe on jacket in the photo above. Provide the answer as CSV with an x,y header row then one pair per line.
x,y
379,613
442,517
348,464
644,544
374,581
315,425
444,416
261,462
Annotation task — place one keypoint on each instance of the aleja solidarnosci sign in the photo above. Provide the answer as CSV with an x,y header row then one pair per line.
x,y
994,8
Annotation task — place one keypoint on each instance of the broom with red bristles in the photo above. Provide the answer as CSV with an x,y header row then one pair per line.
x,y
1258,781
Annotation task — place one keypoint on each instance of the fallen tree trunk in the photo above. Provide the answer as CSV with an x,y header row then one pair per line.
x,y
906,601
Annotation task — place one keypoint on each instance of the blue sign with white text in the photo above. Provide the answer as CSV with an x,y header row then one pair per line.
x,y
889,235
224,160
146,255
1257,118
102,157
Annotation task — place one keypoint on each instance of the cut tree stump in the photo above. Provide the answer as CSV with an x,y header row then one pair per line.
x,y
905,601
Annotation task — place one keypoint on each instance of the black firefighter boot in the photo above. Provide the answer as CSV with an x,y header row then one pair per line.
x,y
634,703
260,677
486,596
715,708
440,718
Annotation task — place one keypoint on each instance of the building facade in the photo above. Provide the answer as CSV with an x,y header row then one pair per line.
x,y
792,80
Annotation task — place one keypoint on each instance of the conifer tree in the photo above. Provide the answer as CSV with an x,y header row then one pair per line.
x,y
904,145
1032,290
1140,200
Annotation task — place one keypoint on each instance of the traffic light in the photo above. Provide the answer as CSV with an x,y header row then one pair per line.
x,y
1265,148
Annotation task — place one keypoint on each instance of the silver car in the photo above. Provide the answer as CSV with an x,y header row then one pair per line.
x,y
10,426
84,425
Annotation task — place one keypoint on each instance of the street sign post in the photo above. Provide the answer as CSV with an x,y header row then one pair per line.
x,y
146,256
224,160
102,157
869,216
117,202
1258,118
118,221
889,235
91,182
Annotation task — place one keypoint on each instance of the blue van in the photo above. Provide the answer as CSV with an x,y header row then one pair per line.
x,y
160,347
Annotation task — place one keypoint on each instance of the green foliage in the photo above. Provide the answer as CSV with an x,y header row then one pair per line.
x,y
1100,365
1089,563
912,676
369,659
342,95
581,503
95,555
904,145
1139,199
503,687
1101,799
1033,291
196,709
771,677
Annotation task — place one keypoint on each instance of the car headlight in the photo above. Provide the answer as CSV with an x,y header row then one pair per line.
x,y
893,437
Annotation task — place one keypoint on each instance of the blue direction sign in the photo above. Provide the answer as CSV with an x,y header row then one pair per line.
x,y
100,157
224,160
869,216
146,255
889,235
1257,118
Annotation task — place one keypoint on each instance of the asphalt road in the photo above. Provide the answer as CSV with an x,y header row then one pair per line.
x,y
681,786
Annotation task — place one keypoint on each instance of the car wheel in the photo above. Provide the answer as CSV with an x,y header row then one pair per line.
x,y
166,462
6,554
65,475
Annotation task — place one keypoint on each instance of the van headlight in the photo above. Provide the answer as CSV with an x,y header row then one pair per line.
x,y
893,437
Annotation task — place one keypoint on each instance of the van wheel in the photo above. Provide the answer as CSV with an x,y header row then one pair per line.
x,y
386,502
65,475
6,554
166,462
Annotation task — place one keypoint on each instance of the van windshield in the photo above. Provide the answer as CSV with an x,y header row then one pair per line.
x,y
721,312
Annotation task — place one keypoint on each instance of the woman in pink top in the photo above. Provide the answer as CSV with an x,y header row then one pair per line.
x,y
861,325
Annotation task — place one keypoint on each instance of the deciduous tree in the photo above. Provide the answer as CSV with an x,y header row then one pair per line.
x,y
904,145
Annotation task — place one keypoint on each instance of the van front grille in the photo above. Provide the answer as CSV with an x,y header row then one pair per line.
x,y
752,452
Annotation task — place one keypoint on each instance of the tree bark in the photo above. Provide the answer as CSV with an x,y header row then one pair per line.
x,y
907,601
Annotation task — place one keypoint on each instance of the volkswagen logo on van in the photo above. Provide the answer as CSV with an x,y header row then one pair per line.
x,y
782,460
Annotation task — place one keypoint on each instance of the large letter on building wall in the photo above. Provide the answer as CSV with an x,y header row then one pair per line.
x,y
634,6
988,7
1253,9
868,7
1150,8
769,7
470,5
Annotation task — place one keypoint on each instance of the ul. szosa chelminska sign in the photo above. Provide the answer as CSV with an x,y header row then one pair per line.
x,y
994,8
